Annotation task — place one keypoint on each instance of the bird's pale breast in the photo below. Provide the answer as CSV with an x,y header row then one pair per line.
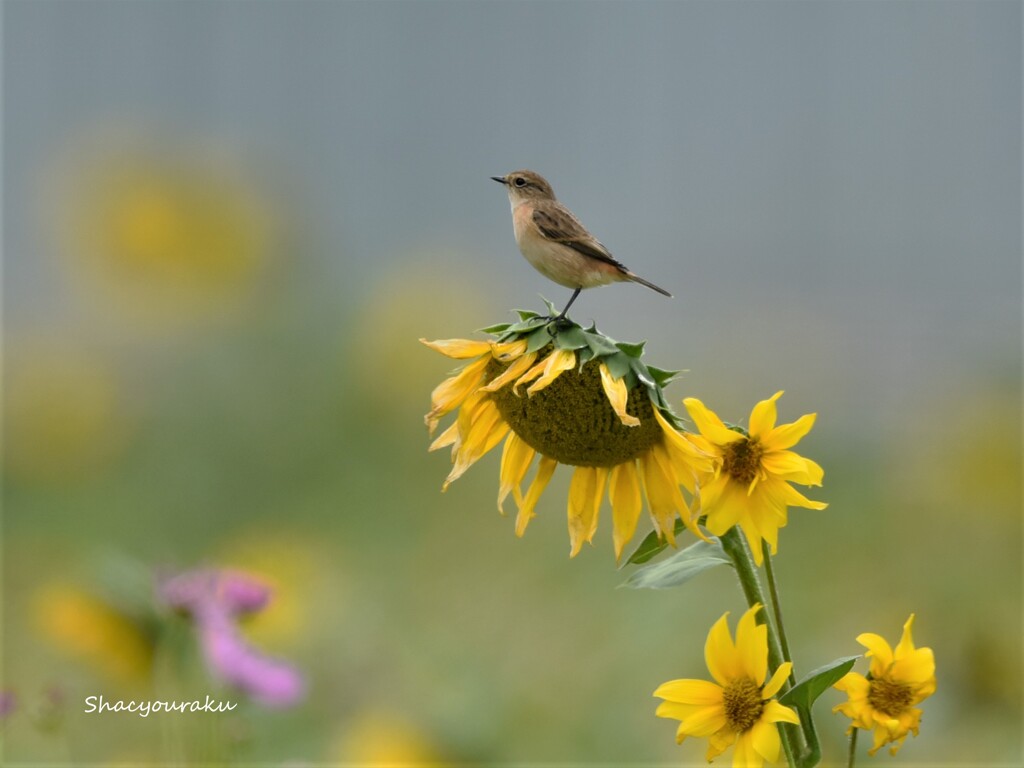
x,y
556,261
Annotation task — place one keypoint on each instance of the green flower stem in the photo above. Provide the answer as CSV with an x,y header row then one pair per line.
x,y
735,546
812,755
773,592
851,755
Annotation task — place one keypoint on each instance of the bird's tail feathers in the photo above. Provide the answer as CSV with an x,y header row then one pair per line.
x,y
652,286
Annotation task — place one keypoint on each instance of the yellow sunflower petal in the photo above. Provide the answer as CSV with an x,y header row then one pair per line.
x,y
624,494
778,713
485,433
794,498
778,679
453,392
545,469
675,710
617,394
762,418
446,438
532,373
518,367
557,362
663,494
689,460
745,754
917,668
752,645
765,740
515,461
694,692
906,644
459,349
792,467
709,424
507,350
789,435
878,648
585,492
705,721
720,653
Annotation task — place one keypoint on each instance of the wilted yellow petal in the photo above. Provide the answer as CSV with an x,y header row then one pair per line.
x,y
518,367
508,350
446,438
459,349
452,392
515,461
484,433
624,493
617,394
545,469
558,361
585,492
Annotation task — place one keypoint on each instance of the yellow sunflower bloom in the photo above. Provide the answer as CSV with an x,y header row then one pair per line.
x,y
885,700
569,396
750,484
737,709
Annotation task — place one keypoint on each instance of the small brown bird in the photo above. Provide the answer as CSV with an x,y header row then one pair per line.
x,y
556,243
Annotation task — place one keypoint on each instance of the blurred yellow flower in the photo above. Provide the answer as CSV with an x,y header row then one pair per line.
x,y
164,234
545,391
302,580
381,739
63,419
750,484
885,701
737,709
93,631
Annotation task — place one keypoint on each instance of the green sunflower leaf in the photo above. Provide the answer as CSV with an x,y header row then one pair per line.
x,y
642,373
572,338
601,344
652,545
618,365
661,376
525,314
807,691
679,568
538,339
633,350
496,330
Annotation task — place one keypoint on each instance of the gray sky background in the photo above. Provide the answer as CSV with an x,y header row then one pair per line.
x,y
828,188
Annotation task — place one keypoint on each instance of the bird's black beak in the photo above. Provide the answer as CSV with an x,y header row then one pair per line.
x,y
499,179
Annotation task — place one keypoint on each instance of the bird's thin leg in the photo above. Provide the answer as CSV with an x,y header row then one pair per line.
x,y
571,300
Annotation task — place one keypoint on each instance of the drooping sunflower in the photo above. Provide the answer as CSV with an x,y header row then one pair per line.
x,y
750,483
885,701
552,389
738,709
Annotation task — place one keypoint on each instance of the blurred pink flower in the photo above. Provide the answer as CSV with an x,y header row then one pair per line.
x,y
215,598
8,703
205,590
271,682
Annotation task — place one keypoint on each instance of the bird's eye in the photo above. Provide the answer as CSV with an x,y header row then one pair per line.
x,y
519,181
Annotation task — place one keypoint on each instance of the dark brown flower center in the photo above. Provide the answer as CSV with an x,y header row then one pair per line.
x,y
890,697
572,421
743,704
742,459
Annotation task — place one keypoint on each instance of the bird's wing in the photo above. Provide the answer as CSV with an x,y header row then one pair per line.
x,y
558,224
